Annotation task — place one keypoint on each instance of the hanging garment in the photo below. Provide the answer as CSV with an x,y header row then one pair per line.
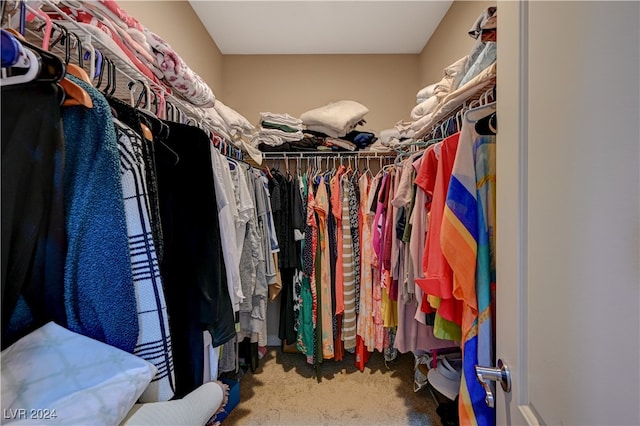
x,y
467,244
419,223
32,193
354,219
307,335
326,314
348,269
98,273
132,118
365,327
227,226
438,279
193,268
338,350
154,340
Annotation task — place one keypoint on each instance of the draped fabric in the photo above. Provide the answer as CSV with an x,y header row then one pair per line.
x,y
467,239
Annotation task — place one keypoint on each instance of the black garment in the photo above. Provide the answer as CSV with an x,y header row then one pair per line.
x,y
281,208
131,117
285,147
192,268
280,189
299,210
286,329
33,235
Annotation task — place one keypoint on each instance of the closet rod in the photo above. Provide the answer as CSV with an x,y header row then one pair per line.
x,y
340,154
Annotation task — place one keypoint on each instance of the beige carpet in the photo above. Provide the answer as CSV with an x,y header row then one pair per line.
x,y
284,390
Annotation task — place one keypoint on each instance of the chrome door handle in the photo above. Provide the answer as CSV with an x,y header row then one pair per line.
x,y
500,374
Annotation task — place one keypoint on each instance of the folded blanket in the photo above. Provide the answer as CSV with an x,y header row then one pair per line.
x,y
182,79
388,136
455,99
236,123
326,131
341,116
425,108
425,93
405,128
117,14
486,57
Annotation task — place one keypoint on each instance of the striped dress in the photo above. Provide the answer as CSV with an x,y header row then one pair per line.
x,y
348,267
154,339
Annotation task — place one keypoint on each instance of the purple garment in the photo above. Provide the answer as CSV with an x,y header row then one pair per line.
x,y
414,336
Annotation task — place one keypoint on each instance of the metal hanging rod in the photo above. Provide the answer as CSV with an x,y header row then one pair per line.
x,y
311,154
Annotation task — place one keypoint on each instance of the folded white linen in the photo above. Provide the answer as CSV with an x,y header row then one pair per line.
x,y
426,92
283,118
405,128
387,135
425,108
233,119
377,146
339,116
329,131
285,136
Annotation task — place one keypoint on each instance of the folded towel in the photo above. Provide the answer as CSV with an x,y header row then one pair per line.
x,y
236,123
341,116
281,119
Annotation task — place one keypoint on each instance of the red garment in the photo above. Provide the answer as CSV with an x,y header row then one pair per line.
x,y
362,354
426,176
438,280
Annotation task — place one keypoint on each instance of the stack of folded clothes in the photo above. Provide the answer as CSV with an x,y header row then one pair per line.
x,y
277,131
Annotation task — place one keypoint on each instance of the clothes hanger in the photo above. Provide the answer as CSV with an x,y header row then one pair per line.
x,y
31,72
49,68
75,95
12,50
78,70
488,123
48,24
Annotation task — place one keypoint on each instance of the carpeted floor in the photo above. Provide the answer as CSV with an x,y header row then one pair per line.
x,y
284,390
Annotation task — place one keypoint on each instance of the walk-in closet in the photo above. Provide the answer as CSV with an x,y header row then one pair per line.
x,y
320,212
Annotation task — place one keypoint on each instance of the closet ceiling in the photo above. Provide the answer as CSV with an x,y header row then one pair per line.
x,y
242,27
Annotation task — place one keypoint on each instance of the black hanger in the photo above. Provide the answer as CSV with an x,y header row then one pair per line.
x,y
52,69
487,125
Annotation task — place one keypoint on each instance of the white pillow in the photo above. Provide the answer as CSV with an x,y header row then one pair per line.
x,y
339,116
56,376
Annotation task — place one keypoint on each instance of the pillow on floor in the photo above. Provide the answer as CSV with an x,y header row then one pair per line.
x,y
56,376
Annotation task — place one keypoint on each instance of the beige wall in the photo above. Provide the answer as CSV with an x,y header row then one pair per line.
x,y
178,25
385,84
450,41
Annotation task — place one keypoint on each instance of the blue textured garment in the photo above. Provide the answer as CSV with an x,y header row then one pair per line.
x,y
99,293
